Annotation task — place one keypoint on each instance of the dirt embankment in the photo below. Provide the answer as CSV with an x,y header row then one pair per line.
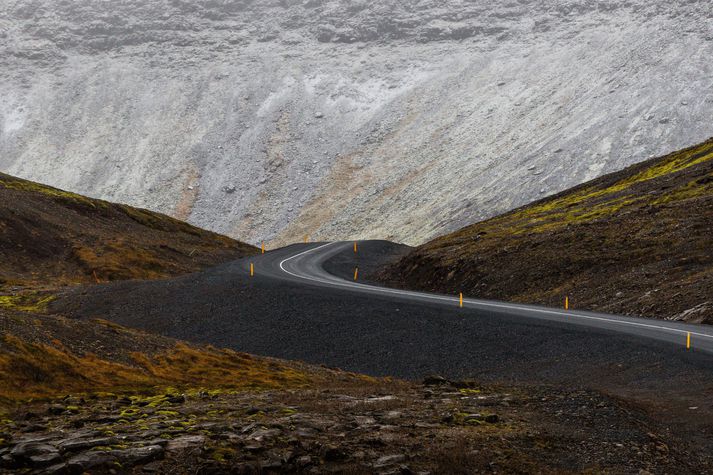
x,y
635,242
49,237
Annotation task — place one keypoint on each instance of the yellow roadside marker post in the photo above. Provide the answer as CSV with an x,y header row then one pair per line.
x,y
306,238
252,269
566,303
688,341
461,300
356,273
355,247
263,247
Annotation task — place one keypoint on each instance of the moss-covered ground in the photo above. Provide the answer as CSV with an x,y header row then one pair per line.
x,y
637,242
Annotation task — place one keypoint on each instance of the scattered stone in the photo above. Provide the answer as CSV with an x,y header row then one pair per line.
x,y
89,460
382,398
55,410
388,460
392,415
264,434
702,313
250,427
182,443
306,432
271,464
58,469
470,418
152,467
74,445
45,459
364,420
134,456
177,399
125,401
162,442
434,380
29,449
254,448
334,454
492,418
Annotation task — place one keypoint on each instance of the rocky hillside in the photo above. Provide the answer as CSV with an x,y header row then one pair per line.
x,y
49,238
634,242
339,118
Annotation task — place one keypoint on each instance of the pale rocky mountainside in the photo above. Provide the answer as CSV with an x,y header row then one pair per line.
x,y
373,119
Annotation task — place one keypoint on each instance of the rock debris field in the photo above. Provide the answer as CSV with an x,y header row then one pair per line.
x,y
383,427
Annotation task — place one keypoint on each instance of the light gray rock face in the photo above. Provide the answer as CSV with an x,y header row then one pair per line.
x,y
345,118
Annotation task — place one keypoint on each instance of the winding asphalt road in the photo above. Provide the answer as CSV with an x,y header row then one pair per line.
x,y
305,264
302,304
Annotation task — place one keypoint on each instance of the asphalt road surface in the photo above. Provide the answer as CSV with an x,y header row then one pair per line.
x,y
292,308
308,267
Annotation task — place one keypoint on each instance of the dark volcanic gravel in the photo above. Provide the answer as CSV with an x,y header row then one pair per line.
x,y
266,316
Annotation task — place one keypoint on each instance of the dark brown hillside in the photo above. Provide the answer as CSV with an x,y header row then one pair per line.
x,y
52,237
639,241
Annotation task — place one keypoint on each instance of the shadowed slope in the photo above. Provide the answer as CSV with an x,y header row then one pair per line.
x,y
53,237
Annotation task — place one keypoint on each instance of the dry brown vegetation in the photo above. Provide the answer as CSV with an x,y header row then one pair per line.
x,y
49,237
636,242
39,371
44,357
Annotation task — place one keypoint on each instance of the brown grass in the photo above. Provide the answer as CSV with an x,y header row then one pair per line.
x,y
37,370
52,238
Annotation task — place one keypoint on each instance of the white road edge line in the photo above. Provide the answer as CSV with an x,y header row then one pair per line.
x,y
475,302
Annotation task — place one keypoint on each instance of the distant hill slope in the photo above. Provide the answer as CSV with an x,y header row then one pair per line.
x,y
344,119
52,237
639,241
